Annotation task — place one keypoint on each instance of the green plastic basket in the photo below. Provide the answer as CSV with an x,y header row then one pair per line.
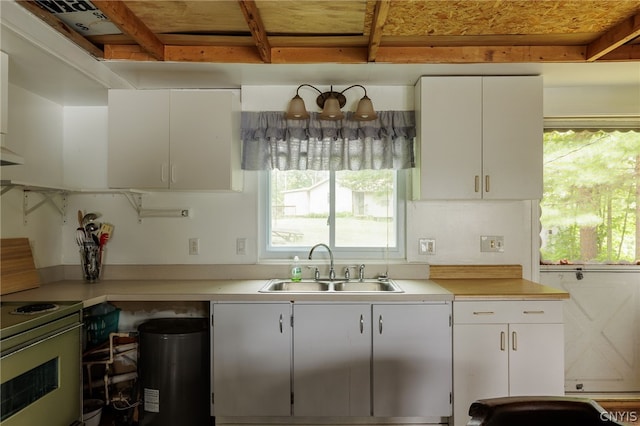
x,y
98,327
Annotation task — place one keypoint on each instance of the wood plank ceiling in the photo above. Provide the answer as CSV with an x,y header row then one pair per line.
x,y
343,31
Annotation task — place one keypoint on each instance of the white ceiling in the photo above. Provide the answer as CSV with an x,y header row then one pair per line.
x,y
46,63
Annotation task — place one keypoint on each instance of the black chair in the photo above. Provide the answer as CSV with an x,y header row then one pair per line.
x,y
539,411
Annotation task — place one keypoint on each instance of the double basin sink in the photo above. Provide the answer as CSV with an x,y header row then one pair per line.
x,y
325,286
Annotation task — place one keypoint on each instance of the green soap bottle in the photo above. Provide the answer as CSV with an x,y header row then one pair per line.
x,y
296,270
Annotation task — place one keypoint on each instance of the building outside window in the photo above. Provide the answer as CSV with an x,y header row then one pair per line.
x,y
351,211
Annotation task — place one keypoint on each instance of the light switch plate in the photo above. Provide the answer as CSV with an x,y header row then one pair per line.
x,y
492,243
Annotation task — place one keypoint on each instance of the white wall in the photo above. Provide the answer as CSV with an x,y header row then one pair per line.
x,y
50,132
35,132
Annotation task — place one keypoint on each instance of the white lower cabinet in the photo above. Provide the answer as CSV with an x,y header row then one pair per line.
x,y
506,348
251,359
331,360
340,360
412,360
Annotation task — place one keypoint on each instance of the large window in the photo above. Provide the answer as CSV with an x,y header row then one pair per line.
x,y
591,204
357,213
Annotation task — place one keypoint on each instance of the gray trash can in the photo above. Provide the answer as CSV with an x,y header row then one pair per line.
x,y
174,372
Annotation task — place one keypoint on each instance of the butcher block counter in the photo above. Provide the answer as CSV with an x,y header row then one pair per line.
x,y
491,282
446,283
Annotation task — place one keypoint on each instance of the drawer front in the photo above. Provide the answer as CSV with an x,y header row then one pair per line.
x,y
499,311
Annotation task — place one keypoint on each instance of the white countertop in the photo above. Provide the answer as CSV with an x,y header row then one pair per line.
x,y
212,290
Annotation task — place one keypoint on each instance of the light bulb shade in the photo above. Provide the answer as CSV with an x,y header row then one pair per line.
x,y
331,109
365,111
297,109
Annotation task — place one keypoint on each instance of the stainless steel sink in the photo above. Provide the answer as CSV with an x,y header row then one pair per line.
x,y
312,286
387,286
303,286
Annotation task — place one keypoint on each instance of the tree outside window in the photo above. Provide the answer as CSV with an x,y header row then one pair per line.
x,y
591,202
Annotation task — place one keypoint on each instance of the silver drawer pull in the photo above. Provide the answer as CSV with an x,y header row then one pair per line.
x,y
533,312
514,340
361,324
502,340
280,323
483,313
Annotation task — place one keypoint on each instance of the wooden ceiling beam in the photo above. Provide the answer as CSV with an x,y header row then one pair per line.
x,y
356,55
315,55
480,54
627,53
377,25
614,38
213,54
259,34
130,24
62,28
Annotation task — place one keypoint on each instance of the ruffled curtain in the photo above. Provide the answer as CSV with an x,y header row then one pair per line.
x,y
270,141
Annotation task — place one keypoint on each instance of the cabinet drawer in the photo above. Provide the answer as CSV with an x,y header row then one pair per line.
x,y
492,312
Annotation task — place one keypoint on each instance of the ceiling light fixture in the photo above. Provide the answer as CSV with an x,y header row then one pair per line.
x,y
331,103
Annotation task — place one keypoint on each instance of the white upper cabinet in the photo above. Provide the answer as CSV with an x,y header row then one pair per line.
x,y
479,138
174,139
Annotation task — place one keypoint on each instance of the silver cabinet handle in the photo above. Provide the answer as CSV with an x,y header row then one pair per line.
x,y
163,172
487,181
502,340
173,173
361,324
533,312
514,340
483,313
380,324
477,183
280,323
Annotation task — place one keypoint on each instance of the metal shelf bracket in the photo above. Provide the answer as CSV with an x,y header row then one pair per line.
x,y
47,198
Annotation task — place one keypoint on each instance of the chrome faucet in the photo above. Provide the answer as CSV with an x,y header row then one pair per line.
x,y
332,272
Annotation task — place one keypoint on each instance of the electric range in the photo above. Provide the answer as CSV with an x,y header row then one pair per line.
x,y
18,317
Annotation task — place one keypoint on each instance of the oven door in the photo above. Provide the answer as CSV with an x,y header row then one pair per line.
x,y
41,375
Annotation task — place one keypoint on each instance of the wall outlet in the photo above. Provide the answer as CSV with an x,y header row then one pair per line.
x,y
194,246
241,246
427,246
492,243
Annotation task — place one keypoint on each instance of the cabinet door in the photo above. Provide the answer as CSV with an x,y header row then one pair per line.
x,y
536,361
449,128
480,366
138,139
252,359
512,137
205,141
412,360
4,92
331,360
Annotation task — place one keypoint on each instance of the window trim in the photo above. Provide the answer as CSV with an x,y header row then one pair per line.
x,y
268,253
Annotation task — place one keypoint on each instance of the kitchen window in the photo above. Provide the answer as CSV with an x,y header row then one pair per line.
x,y
590,210
359,214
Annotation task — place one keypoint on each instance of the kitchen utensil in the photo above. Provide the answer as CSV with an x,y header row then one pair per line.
x,y
80,215
89,217
103,239
80,236
106,229
91,227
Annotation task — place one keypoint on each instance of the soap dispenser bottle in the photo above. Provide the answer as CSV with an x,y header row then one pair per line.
x,y
296,270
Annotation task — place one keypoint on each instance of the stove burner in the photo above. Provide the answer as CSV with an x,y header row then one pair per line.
x,y
35,308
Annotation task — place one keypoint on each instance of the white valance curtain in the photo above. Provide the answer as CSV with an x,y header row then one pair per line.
x,y
270,141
